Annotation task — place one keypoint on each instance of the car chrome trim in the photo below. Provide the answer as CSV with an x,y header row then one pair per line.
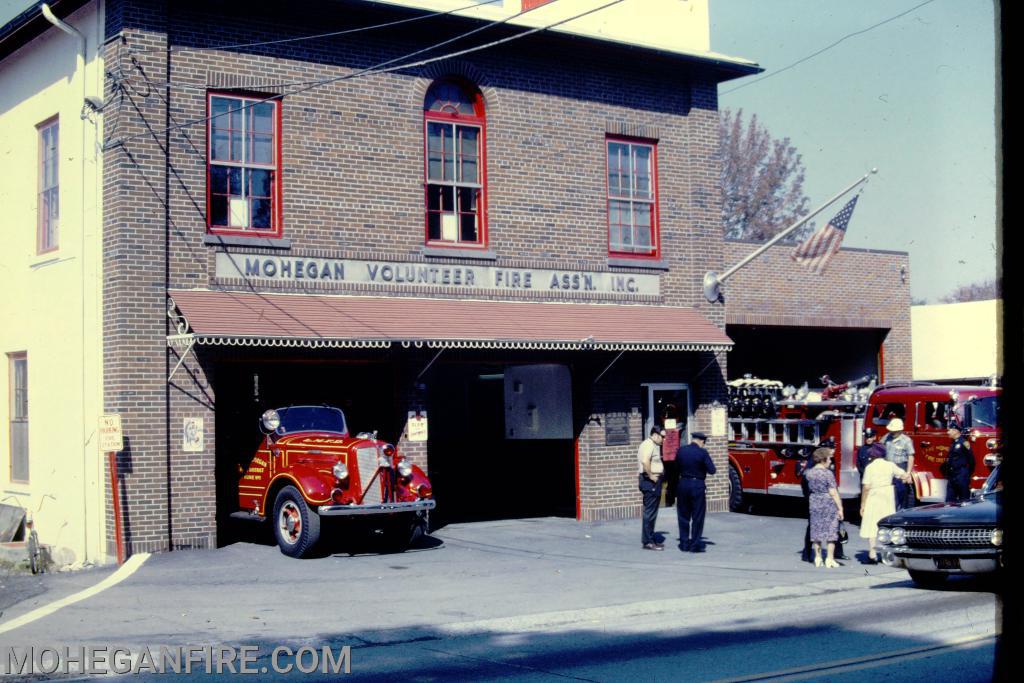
x,y
340,510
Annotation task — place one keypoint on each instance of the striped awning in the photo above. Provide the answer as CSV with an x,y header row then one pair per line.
x,y
223,318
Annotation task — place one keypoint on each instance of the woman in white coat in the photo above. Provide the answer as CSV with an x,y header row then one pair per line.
x,y
877,497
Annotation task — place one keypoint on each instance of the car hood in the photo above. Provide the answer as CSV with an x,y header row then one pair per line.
x,y
987,510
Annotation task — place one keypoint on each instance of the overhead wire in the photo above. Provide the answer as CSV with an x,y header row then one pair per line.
x,y
826,48
383,67
316,36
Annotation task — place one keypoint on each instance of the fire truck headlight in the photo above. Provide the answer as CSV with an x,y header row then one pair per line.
x,y
992,444
341,471
997,537
270,420
884,535
404,468
898,536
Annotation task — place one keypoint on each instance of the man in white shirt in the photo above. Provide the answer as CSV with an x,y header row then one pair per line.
x,y
651,470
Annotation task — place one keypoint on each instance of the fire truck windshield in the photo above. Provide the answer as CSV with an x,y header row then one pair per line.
x,y
983,412
311,418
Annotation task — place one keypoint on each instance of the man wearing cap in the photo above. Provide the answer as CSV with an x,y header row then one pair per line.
x,y
694,464
870,436
959,465
651,471
899,450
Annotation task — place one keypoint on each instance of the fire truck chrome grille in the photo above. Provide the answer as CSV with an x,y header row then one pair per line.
x,y
367,459
971,537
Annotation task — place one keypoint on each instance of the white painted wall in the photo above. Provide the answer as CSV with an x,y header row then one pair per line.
x,y
51,303
957,340
681,26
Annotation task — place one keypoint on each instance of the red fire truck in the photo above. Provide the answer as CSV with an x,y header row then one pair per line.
x,y
774,428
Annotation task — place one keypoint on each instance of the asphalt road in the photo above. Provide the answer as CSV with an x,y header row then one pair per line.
x,y
545,599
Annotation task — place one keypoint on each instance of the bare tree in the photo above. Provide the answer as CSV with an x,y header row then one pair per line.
x,y
978,291
762,181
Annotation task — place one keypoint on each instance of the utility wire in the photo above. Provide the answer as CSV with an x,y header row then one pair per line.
x,y
383,67
826,48
316,36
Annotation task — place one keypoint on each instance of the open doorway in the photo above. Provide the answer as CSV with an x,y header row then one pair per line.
x,y
493,453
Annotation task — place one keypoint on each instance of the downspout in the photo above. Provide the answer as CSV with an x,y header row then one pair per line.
x,y
80,69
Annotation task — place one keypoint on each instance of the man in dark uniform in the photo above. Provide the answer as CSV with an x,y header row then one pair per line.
x,y
870,436
959,465
693,464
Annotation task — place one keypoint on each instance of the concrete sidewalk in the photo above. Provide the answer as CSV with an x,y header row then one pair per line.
x,y
510,569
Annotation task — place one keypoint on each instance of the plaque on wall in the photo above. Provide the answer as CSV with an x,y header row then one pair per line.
x,y
616,430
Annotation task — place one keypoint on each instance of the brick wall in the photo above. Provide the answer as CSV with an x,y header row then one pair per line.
x,y
352,187
861,288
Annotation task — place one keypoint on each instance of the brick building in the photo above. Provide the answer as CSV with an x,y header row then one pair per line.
x,y
509,242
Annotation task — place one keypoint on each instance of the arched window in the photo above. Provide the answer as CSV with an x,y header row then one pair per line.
x,y
456,188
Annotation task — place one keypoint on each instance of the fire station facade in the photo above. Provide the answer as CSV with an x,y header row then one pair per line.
x,y
504,247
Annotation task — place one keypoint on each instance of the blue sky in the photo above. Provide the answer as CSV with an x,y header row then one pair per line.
x,y
914,97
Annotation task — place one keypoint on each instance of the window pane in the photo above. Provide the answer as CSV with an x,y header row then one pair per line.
x,y
468,145
236,117
261,214
439,152
237,146
219,179
263,117
219,106
263,149
468,214
260,183
618,169
235,181
220,148
218,210
642,215
642,171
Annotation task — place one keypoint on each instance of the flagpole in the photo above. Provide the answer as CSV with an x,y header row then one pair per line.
x,y
713,281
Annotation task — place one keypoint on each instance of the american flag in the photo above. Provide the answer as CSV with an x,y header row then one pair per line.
x,y
816,251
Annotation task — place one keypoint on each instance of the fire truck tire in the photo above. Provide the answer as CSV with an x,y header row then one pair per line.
x,y
296,527
928,579
735,491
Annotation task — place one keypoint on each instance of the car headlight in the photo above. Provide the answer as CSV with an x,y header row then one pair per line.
x,y
997,537
883,535
898,536
340,471
404,468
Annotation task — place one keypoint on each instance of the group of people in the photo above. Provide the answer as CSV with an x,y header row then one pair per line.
x,y
885,471
692,466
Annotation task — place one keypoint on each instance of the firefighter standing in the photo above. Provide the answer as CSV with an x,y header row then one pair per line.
x,y
870,436
651,471
694,464
959,465
899,450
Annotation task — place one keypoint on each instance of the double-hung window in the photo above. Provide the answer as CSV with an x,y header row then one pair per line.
x,y
48,198
244,171
17,365
632,198
455,177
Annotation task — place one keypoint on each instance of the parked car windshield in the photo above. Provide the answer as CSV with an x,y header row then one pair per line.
x,y
311,418
994,482
984,412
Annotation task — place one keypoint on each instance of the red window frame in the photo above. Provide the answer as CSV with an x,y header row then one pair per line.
x,y
48,186
245,102
457,120
17,409
633,197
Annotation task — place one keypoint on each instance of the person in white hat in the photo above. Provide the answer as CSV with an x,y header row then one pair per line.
x,y
899,450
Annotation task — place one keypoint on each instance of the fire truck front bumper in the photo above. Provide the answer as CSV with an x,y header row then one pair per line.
x,y
377,509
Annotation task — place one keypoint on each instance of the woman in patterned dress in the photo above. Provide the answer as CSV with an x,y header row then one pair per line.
x,y
826,508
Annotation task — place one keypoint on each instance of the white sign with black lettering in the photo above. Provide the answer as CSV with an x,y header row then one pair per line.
x,y
272,268
417,425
